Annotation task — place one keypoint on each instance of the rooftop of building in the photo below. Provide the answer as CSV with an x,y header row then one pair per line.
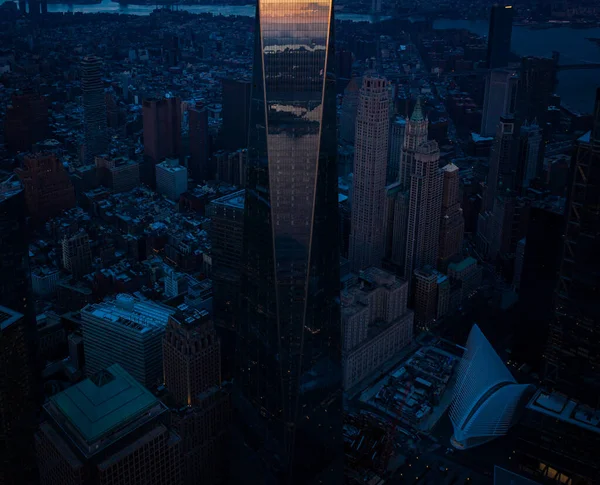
x,y
170,165
562,408
450,168
8,317
103,408
462,265
235,199
140,315
9,186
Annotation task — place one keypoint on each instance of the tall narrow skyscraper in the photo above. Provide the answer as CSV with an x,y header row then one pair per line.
x,y
416,132
500,99
397,131
289,370
573,352
94,108
424,211
367,241
499,36
452,226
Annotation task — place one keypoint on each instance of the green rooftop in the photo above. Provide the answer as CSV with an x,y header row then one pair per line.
x,y
461,265
101,404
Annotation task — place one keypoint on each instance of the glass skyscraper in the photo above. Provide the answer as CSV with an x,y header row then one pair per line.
x,y
289,369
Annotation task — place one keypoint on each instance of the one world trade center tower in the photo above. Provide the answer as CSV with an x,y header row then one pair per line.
x,y
289,332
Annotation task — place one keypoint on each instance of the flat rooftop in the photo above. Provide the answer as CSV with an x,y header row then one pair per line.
x,y
97,411
8,317
235,199
564,409
461,265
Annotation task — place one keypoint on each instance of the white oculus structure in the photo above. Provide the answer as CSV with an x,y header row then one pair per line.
x,y
487,399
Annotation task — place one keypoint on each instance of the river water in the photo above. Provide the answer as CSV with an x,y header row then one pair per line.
x,y
577,89
108,6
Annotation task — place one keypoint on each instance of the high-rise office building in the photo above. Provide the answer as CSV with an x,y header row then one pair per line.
x,y
235,113
538,282
529,163
118,174
126,331
395,224
348,112
452,225
48,189
499,36
171,179
77,254
16,393
191,355
537,84
199,165
107,429
227,239
367,239
289,332
397,131
25,121
94,108
162,132
503,161
500,99
573,352
424,211
202,414
416,132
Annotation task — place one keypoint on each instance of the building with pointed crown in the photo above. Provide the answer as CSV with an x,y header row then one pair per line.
x,y
415,133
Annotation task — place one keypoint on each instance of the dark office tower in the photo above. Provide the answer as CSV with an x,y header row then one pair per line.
x,y
202,412
17,339
44,7
537,83
48,189
499,36
348,113
34,8
574,341
397,131
500,99
289,331
452,225
503,160
16,388
199,164
26,121
538,282
530,156
235,113
23,6
227,239
162,128
343,61
94,108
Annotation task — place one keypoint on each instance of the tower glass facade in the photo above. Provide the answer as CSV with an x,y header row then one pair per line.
x,y
289,329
